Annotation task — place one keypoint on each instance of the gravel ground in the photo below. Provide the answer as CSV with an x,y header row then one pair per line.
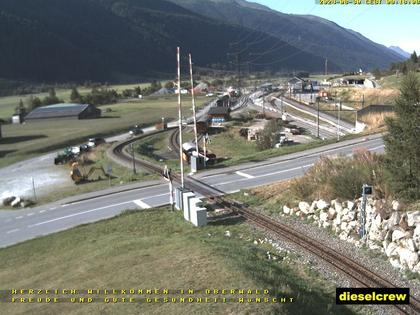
x,y
373,260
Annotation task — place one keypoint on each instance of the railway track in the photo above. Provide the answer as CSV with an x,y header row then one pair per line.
x,y
354,270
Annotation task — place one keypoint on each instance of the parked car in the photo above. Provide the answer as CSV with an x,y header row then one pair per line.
x,y
93,142
136,130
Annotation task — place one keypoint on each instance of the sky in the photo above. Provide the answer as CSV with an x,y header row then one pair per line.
x,y
396,25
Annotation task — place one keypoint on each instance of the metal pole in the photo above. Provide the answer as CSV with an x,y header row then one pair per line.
x,y
338,122
181,162
205,150
363,215
317,119
193,106
33,188
134,160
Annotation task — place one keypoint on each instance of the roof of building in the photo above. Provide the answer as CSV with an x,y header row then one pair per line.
x,y
219,110
57,110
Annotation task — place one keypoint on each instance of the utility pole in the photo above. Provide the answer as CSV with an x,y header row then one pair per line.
x,y
193,107
338,121
133,158
317,119
326,66
181,162
33,188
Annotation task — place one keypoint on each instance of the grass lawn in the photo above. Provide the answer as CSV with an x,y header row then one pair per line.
x,y
9,103
157,249
23,141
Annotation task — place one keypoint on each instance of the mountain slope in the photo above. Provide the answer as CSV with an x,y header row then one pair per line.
x,y
346,48
399,51
118,40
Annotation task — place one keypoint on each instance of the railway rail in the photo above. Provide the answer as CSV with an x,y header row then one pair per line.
x,y
354,270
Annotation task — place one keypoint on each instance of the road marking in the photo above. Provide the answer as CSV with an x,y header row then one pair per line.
x,y
117,193
379,147
42,211
269,174
30,214
53,208
12,231
141,204
19,217
161,195
8,220
79,213
244,174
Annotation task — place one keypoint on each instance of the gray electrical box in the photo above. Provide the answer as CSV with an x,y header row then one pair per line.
x,y
197,163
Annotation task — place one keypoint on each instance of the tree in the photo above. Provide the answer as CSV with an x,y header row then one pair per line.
x,y
269,136
20,109
414,57
75,95
402,141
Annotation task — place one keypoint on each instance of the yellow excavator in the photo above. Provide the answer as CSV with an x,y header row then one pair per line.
x,y
78,175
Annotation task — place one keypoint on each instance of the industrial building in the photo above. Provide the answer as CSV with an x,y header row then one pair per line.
x,y
64,111
218,116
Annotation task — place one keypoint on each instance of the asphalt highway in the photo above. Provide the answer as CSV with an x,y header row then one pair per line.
x,y
19,225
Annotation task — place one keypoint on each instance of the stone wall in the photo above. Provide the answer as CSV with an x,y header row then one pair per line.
x,y
394,232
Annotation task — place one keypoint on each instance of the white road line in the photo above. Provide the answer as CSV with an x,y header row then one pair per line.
x,y
141,204
30,214
117,193
42,211
12,231
19,217
265,175
161,195
379,147
79,213
244,174
53,208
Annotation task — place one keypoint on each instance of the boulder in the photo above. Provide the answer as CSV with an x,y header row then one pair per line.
x,y
350,205
395,263
403,225
304,207
338,206
409,243
326,224
322,204
391,249
376,235
407,257
323,216
343,225
416,268
416,236
343,236
286,209
413,218
313,207
396,206
397,235
332,213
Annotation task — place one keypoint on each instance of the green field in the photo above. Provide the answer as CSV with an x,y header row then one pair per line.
x,y
24,141
9,103
157,249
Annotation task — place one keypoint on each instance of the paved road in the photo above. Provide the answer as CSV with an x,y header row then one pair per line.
x,y
323,116
20,225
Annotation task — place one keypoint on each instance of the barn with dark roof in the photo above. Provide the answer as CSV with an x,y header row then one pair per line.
x,y
64,111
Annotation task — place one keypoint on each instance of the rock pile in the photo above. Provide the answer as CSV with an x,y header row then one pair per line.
x,y
394,232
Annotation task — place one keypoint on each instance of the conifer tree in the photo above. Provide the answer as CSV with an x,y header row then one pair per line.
x,y
402,143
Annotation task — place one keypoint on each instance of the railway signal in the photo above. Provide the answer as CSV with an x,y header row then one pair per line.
x,y
168,177
366,191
